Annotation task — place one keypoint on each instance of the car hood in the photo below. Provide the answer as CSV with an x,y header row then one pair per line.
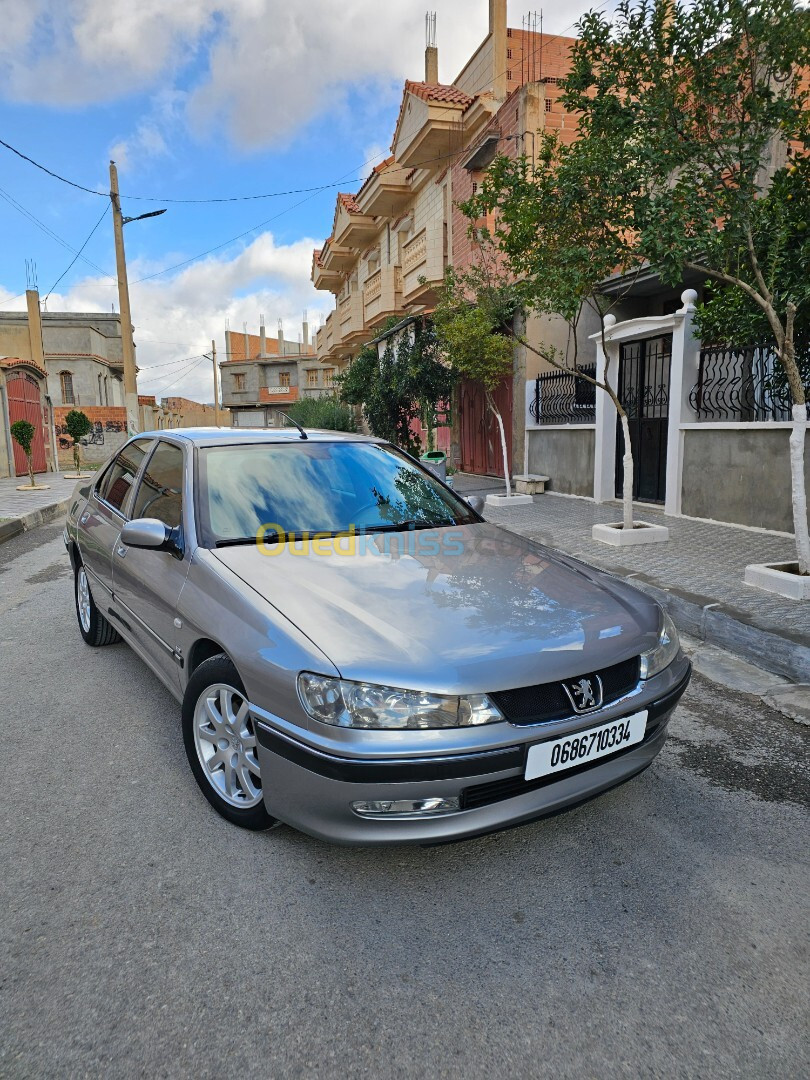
x,y
465,609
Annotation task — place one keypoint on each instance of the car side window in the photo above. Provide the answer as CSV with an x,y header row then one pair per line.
x,y
160,493
117,482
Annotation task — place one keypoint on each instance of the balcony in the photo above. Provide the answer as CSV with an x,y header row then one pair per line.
x,y
337,259
386,191
322,278
350,319
353,228
382,295
425,255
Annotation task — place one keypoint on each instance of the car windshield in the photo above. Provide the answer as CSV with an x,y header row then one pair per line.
x,y
317,487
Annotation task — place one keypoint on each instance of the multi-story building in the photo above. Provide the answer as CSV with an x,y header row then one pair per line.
x,y
261,376
55,362
392,240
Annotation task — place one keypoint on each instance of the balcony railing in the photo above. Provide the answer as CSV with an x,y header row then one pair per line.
x,y
561,397
382,295
425,255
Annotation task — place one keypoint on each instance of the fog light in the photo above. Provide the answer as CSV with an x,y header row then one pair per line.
x,y
401,807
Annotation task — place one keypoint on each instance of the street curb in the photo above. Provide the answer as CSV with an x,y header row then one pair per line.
x,y
711,622
10,529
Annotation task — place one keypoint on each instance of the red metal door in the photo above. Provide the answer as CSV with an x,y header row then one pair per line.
x,y
479,433
24,404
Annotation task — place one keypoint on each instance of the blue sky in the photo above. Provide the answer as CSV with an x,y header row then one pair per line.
x,y
203,99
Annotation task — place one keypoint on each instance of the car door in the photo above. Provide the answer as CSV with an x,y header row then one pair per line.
x,y
147,581
104,515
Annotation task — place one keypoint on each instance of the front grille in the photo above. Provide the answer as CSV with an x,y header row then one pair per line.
x,y
548,701
512,786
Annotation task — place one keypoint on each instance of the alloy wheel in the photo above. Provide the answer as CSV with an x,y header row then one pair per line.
x,y
83,599
226,745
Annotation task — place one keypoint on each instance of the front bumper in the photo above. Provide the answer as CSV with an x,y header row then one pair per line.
x,y
313,790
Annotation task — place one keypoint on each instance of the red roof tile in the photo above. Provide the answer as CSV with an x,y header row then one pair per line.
x,y
428,92
347,201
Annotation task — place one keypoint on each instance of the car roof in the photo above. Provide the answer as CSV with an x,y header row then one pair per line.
x,y
221,436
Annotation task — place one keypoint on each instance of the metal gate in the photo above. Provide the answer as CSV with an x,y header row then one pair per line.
x,y
643,390
479,434
24,404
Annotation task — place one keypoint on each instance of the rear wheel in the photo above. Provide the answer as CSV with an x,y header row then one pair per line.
x,y
220,743
94,628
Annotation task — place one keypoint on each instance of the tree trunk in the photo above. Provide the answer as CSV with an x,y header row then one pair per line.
x,y
499,418
76,453
30,459
797,441
627,486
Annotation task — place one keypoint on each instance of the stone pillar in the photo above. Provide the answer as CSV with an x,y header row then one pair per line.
x,y
604,461
683,374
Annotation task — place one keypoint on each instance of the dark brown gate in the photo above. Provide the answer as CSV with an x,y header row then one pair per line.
x,y
479,434
644,392
24,404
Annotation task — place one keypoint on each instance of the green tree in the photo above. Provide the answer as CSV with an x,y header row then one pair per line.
x,y
327,412
707,98
407,382
22,432
681,108
562,228
473,313
77,425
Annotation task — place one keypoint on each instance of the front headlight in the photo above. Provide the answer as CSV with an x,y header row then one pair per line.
x,y
367,705
665,651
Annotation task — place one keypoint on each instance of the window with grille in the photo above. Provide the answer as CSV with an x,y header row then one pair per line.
x,y
328,376
66,381
312,378
284,378
239,382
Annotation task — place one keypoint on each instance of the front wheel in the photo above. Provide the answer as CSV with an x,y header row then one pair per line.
x,y
221,743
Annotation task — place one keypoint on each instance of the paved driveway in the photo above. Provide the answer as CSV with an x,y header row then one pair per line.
x,y
660,931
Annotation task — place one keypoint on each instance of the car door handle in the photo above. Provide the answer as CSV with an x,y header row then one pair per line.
x,y
121,550
84,517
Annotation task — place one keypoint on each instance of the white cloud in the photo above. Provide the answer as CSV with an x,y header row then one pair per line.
x,y
177,317
268,66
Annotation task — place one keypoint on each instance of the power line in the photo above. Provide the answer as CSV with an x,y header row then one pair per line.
x,y
49,232
9,299
163,389
79,252
169,363
50,172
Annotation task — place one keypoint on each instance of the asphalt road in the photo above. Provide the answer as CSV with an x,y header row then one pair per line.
x,y
659,931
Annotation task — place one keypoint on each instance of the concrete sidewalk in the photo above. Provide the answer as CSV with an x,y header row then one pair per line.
x,y
21,510
697,575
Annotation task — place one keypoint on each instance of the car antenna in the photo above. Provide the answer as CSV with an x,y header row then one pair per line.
x,y
296,424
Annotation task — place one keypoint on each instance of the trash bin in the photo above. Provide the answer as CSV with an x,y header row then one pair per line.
x,y
436,461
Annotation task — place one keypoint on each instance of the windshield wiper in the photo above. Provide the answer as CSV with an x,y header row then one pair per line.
x,y
402,526
232,541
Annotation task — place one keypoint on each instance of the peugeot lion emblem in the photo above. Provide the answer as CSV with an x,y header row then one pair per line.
x,y
585,694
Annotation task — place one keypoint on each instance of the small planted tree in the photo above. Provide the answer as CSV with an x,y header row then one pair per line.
x,y
77,425
327,412
472,317
22,432
562,224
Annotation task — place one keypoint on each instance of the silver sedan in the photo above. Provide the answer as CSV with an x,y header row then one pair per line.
x,y
356,651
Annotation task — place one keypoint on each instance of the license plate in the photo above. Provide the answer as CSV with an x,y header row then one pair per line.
x,y
583,747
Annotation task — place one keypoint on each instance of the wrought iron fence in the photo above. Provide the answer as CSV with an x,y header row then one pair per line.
x,y
562,397
740,384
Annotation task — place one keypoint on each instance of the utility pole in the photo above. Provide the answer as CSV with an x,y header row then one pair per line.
x,y
216,382
127,344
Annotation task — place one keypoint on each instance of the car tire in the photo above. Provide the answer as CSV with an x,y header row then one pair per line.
x,y
220,743
93,627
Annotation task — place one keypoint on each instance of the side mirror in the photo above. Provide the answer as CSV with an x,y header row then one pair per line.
x,y
145,533
476,502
